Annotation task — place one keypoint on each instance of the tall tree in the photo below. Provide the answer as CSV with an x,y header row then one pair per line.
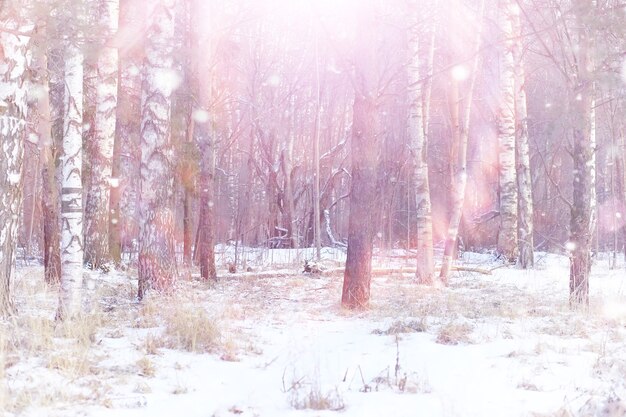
x,y
365,142
123,228
416,132
460,137
157,263
583,203
47,61
71,181
205,138
13,109
101,148
525,241
507,234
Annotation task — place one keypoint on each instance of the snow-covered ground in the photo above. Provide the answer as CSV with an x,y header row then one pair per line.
x,y
277,343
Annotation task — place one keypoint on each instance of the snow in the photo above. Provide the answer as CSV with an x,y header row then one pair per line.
x,y
200,116
460,73
500,344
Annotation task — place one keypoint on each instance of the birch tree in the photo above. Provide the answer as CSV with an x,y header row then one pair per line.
x,y
417,139
71,182
460,138
507,234
13,109
157,269
98,196
365,139
524,179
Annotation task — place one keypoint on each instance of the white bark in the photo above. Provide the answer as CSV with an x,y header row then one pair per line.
x,y
156,240
71,186
97,204
507,235
13,108
524,179
460,132
425,258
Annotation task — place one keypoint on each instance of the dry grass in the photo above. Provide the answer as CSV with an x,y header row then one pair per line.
x,y
153,343
146,367
191,329
313,398
399,326
454,333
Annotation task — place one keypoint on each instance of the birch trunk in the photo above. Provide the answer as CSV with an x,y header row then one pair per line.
x,y
425,271
157,263
364,193
71,186
13,109
525,225
507,234
460,131
98,196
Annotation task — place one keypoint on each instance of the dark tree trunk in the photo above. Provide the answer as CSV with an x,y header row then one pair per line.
x,y
126,153
51,138
583,204
206,244
202,82
364,196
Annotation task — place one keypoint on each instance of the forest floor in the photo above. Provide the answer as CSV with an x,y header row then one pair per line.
x,y
275,342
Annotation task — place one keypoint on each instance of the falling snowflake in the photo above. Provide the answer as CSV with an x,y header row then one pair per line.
x,y
200,116
570,246
133,70
460,73
114,182
167,80
624,71
273,80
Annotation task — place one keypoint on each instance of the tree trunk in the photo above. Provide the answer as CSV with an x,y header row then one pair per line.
x,y
71,186
50,137
526,257
507,234
287,168
317,234
583,204
425,271
460,132
12,129
157,263
98,197
364,196
202,81
206,244
124,230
